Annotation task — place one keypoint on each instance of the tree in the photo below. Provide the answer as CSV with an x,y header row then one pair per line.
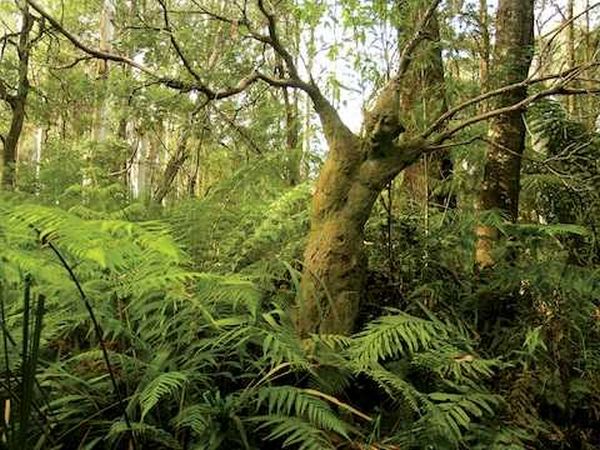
x,y
357,166
513,53
424,95
16,97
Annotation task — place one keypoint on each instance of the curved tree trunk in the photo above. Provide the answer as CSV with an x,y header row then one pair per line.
x,y
501,183
355,172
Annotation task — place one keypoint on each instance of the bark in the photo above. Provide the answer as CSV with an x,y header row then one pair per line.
x,y
292,136
484,44
137,172
107,35
17,102
571,49
355,172
173,167
425,95
40,138
501,181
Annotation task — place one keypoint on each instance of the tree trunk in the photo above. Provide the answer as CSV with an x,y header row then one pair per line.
x,y
353,175
425,95
40,137
174,164
107,36
291,137
484,45
501,181
17,102
11,142
571,99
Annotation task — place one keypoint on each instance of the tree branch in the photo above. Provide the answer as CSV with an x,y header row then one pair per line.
x,y
173,83
333,126
176,45
555,90
275,42
566,74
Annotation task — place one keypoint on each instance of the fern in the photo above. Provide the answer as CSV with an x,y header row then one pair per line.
x,y
166,384
394,335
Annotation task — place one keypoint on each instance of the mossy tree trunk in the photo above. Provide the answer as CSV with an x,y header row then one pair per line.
x,y
356,171
501,182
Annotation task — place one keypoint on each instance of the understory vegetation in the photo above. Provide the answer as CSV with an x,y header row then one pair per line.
x,y
203,248
173,331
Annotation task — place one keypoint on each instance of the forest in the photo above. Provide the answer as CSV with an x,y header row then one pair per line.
x,y
299,224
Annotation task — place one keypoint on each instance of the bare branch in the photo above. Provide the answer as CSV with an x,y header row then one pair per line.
x,y
330,119
275,42
176,45
559,89
99,54
73,63
243,132
564,75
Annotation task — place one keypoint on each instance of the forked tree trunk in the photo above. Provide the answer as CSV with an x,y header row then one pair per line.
x,y
355,172
501,183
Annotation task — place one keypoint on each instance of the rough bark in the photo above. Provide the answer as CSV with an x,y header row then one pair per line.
x,y
425,94
571,101
355,172
17,101
174,165
484,44
501,182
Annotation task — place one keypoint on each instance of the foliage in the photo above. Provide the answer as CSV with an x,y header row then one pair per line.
x,y
208,360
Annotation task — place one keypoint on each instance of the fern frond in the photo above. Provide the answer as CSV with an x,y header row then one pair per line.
x,y
394,335
166,384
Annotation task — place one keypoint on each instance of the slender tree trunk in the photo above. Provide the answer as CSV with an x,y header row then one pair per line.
x,y
291,136
484,45
40,137
11,143
137,174
501,181
174,165
17,101
571,49
107,35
